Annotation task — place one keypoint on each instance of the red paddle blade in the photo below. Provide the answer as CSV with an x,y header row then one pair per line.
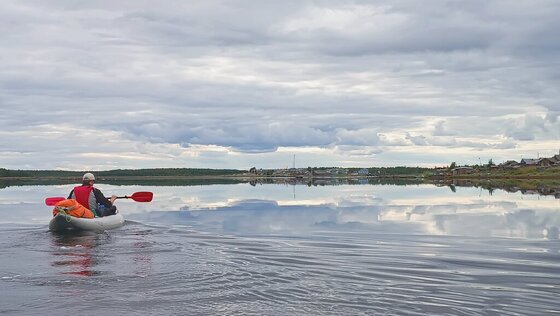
x,y
51,201
142,196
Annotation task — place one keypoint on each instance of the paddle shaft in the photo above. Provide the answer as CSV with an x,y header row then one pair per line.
x,y
137,196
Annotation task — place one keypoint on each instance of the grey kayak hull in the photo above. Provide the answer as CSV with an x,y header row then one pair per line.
x,y
62,222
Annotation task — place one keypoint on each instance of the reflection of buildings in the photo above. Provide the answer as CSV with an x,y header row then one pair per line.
x,y
311,173
335,181
523,188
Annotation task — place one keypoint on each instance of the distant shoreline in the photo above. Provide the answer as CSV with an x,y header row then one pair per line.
x,y
527,184
256,177
475,172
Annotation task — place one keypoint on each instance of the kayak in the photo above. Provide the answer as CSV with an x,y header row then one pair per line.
x,y
64,222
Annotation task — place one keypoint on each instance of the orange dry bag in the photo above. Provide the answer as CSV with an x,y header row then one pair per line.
x,y
72,208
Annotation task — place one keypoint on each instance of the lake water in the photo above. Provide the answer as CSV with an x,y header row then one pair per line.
x,y
287,250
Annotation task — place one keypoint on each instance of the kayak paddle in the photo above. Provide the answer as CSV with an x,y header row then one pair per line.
x,y
137,196
51,201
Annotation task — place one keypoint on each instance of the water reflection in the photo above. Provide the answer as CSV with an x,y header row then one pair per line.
x,y
544,188
443,209
524,186
90,254
551,233
220,249
75,253
479,218
142,255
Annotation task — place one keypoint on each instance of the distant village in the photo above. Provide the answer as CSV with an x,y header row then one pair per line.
x,y
452,170
541,163
310,172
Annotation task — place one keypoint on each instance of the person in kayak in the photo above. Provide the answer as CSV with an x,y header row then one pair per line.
x,y
93,198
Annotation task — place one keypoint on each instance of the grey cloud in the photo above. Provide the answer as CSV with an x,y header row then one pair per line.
x,y
250,136
396,28
444,141
254,135
440,129
507,144
553,117
366,137
453,142
360,151
418,140
255,76
531,127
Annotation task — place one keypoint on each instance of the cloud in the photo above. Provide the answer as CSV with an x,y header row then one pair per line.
x,y
350,79
532,127
363,29
441,130
418,140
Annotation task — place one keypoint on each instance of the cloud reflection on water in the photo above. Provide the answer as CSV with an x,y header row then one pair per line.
x,y
454,215
269,209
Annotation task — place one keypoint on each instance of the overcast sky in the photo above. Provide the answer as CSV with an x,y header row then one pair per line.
x,y
97,85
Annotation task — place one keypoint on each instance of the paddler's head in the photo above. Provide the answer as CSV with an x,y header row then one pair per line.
x,y
88,179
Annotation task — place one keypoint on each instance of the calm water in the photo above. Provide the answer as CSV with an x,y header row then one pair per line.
x,y
287,250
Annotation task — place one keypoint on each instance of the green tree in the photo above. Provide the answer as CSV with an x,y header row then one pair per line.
x,y
453,165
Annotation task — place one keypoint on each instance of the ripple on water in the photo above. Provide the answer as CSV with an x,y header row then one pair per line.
x,y
152,269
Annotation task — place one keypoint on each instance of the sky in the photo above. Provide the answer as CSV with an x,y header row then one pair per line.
x,y
101,85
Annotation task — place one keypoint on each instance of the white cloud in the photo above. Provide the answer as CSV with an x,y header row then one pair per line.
x,y
235,83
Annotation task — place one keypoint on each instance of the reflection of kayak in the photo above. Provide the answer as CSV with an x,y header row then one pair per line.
x,y
63,222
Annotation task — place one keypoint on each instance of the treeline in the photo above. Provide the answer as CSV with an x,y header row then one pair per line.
x,y
6,173
397,170
183,172
119,181
168,172
157,172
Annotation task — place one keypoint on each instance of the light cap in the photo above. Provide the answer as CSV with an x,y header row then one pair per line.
x,y
88,176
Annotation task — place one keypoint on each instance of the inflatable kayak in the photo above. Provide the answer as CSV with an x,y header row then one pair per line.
x,y
63,222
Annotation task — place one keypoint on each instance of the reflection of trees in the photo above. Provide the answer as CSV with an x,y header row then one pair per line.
x,y
535,187
524,187
139,181
335,181
209,181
